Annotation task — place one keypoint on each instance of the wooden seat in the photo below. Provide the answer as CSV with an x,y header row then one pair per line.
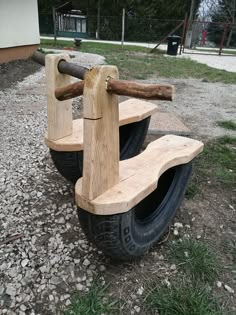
x,y
139,175
130,111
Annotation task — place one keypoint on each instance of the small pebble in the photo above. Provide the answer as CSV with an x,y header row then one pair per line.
x,y
86,262
229,289
137,309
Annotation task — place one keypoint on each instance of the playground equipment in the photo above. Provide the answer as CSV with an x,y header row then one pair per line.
x,y
123,206
64,136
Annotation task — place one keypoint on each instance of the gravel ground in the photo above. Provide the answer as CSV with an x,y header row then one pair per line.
x,y
201,104
44,256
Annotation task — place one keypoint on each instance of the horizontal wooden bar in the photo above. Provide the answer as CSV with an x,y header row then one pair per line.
x,y
141,90
63,66
69,91
121,87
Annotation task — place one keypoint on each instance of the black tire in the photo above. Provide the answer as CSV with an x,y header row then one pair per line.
x,y
132,136
129,235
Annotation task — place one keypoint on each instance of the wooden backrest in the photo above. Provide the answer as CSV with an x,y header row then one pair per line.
x,y
59,112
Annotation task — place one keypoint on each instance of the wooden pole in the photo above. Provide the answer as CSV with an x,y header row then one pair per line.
x,y
190,24
183,34
140,90
123,27
69,91
223,39
98,19
121,87
54,23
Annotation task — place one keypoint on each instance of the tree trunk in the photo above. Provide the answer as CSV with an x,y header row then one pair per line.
x,y
229,37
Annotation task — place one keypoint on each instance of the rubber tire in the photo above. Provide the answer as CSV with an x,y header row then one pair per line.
x,y
129,235
132,136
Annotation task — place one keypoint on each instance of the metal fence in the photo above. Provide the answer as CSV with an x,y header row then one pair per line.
x,y
136,29
216,36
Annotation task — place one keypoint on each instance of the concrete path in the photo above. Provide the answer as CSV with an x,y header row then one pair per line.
x,y
227,63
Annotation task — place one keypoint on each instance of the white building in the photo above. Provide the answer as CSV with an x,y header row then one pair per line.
x,y
19,29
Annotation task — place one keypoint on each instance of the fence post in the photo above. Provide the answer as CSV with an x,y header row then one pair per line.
x,y
54,23
222,39
123,27
183,34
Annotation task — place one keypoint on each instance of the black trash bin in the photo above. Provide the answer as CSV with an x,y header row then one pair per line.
x,y
173,45
77,42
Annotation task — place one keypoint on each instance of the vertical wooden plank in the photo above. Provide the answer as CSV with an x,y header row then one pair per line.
x,y
59,112
101,133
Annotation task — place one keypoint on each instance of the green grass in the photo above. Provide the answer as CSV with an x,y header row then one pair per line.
x,y
94,302
138,63
192,190
218,161
182,298
195,259
227,124
231,249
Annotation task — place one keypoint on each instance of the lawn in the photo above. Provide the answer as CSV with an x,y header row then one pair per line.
x,y
138,63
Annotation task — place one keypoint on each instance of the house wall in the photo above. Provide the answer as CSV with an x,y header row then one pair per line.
x,y
19,29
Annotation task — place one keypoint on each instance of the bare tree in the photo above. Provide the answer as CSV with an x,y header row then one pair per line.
x,y
224,11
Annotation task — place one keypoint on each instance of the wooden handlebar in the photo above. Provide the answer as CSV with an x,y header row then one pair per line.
x,y
69,91
140,90
121,87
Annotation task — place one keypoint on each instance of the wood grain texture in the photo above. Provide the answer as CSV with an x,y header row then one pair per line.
x,y
130,111
139,175
59,113
101,134
69,91
121,87
141,90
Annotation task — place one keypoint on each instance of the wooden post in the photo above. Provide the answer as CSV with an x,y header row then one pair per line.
x,y
183,34
101,133
54,23
59,113
123,27
223,39
98,19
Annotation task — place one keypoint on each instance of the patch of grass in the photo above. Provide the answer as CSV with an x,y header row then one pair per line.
x,y
94,302
231,248
218,161
92,46
195,259
227,124
136,62
192,190
182,298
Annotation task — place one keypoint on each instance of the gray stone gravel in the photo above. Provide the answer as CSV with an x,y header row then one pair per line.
x,y
44,256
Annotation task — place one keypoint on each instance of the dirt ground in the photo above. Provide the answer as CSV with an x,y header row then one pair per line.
x,y
210,216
